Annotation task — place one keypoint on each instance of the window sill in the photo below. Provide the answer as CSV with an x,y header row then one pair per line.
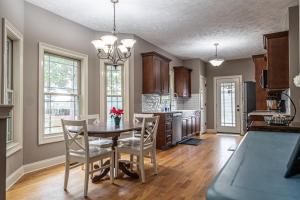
x,y
12,148
50,139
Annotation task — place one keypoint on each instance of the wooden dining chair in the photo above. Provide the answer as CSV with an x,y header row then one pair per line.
x,y
82,153
146,145
134,135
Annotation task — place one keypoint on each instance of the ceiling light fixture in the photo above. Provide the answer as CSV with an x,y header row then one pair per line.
x,y
109,47
216,62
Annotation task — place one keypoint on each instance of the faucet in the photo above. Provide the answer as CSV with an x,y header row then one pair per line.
x,y
175,98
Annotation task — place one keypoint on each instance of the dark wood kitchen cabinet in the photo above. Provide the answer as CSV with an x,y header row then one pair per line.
x,y
277,46
155,73
182,81
190,123
165,130
260,63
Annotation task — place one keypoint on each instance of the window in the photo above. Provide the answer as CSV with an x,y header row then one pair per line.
x,y
9,91
62,90
12,87
114,88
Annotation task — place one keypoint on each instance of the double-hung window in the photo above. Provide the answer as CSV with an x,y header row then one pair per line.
x,y
63,90
9,90
114,88
12,85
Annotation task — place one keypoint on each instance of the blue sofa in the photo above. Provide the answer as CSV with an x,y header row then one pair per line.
x,y
256,170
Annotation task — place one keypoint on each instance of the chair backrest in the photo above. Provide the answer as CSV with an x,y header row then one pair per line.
x,y
95,118
138,118
74,130
149,132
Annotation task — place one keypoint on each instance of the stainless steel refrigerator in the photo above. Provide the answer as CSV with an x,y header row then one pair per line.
x,y
249,100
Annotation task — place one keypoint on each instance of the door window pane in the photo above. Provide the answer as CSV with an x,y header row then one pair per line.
x,y
228,104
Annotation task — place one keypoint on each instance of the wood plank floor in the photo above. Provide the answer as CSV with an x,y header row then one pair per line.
x,y
185,172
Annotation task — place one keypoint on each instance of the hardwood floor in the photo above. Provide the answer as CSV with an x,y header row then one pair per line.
x,y
185,172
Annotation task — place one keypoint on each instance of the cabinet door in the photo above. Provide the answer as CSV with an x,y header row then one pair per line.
x,y
261,93
164,72
278,63
197,124
157,74
184,128
189,127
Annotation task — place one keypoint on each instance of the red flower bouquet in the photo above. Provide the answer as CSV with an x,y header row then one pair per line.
x,y
116,114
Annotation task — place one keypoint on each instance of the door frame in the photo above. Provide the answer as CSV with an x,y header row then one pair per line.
x,y
205,112
241,99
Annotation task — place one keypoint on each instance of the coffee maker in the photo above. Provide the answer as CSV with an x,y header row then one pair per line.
x,y
276,103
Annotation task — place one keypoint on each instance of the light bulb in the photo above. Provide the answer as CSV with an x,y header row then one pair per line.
x,y
128,43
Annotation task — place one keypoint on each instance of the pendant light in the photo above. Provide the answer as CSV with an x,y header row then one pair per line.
x,y
216,62
110,48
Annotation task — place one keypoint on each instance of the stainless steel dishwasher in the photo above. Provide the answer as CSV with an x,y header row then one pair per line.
x,y
177,128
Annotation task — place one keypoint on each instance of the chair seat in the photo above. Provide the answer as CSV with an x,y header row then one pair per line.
x,y
103,143
93,152
129,140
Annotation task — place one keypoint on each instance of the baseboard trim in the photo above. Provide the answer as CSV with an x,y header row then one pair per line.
x,y
32,167
211,130
14,177
44,164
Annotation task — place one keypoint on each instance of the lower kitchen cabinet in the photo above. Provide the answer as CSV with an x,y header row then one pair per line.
x,y
165,131
190,124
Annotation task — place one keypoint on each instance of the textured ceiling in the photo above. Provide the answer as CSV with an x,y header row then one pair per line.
x,y
185,28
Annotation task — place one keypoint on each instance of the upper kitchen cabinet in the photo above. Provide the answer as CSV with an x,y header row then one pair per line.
x,y
182,81
155,73
277,46
260,63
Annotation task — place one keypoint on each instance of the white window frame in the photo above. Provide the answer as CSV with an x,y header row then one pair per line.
x,y
126,79
10,31
44,47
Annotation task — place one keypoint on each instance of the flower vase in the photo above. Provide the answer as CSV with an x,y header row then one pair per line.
x,y
117,121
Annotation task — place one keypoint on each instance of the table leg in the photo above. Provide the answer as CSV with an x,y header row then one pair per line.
x,y
122,166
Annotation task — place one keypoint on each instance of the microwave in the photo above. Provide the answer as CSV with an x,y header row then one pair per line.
x,y
264,78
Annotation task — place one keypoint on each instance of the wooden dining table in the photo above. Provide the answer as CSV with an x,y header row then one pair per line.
x,y
109,130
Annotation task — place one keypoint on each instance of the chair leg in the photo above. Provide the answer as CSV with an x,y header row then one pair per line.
x,y
92,168
116,164
153,158
67,170
112,168
137,163
86,179
131,162
142,169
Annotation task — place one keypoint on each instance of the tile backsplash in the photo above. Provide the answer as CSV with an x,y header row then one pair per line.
x,y
157,103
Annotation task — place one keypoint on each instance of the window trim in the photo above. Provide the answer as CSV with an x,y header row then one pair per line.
x,y
44,47
10,31
126,79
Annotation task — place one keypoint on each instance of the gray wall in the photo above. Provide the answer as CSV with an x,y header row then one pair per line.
x,y
43,26
294,55
199,68
244,67
12,10
143,46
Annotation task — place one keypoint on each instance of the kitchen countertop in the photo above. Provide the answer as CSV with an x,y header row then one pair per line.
x,y
265,113
294,127
173,111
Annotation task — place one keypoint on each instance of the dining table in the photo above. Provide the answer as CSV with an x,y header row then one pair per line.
x,y
109,130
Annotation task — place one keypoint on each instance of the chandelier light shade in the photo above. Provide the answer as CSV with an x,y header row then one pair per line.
x,y
216,62
110,48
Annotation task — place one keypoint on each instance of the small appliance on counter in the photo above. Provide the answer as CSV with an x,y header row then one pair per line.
x,y
279,119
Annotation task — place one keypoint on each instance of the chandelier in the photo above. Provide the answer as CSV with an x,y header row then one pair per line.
x,y
216,62
110,48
